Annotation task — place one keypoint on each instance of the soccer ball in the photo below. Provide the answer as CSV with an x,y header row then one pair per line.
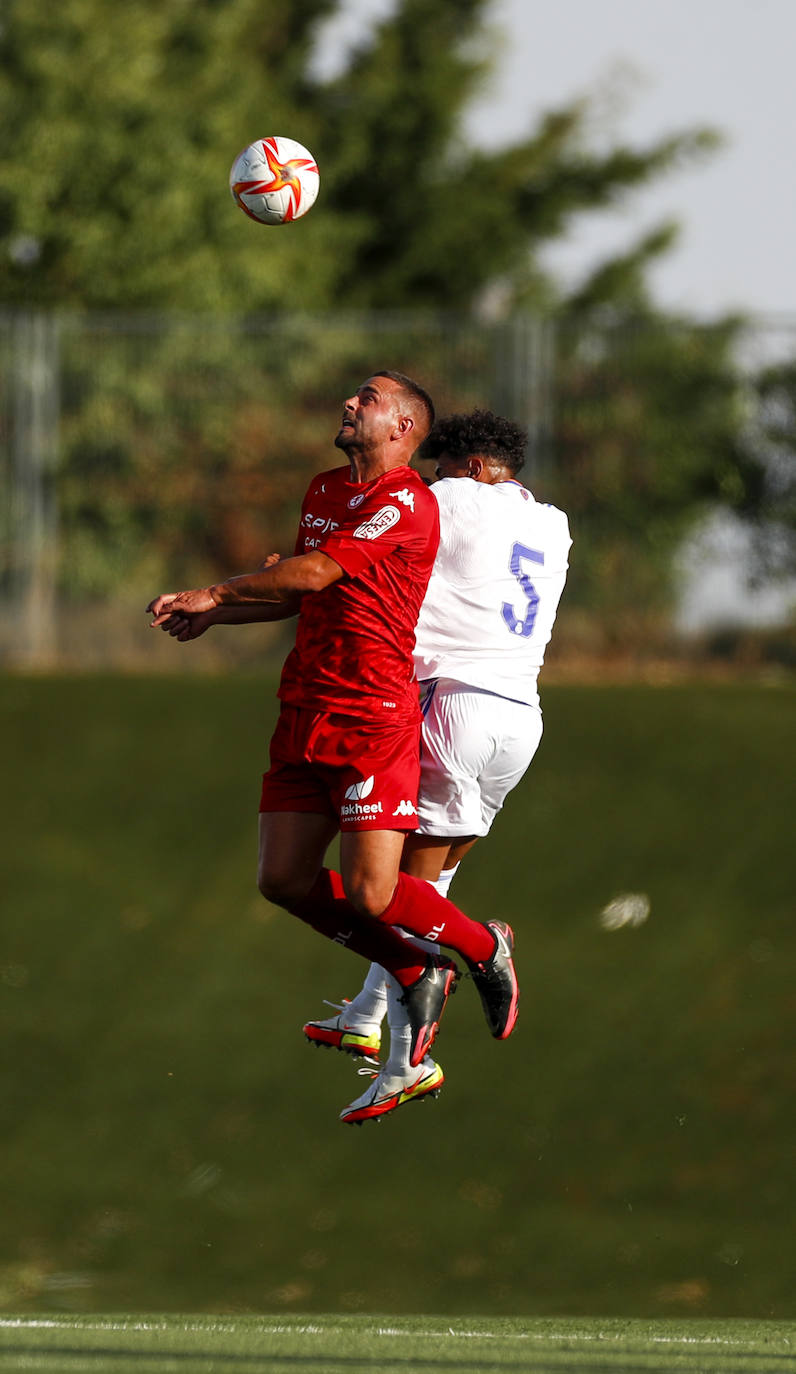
x,y
274,180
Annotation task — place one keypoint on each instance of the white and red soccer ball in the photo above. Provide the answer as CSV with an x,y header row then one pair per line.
x,y
274,180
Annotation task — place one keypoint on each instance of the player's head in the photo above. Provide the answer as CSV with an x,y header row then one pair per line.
x,y
387,407
415,399
476,444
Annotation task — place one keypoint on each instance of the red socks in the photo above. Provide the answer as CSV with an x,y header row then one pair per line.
x,y
419,908
327,909
415,906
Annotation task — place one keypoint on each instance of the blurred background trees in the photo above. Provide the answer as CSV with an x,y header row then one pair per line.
x,y
121,124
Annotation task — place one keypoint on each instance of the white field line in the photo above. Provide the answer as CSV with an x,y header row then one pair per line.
x,y
311,1329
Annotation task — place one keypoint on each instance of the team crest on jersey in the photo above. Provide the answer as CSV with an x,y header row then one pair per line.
x,y
356,501
406,497
383,520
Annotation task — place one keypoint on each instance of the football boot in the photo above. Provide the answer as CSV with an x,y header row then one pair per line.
x,y
388,1091
497,982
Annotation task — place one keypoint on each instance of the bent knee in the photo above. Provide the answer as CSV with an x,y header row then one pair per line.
x,y
369,897
282,889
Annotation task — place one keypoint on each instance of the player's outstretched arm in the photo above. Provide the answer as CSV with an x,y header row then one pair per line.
x,y
186,627
285,581
276,590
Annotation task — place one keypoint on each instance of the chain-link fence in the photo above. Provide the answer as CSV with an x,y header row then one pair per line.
x,y
139,453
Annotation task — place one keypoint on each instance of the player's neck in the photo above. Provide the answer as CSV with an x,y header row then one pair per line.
x,y
365,467
501,475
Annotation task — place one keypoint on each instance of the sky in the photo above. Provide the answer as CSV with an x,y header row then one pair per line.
x,y
654,69
657,68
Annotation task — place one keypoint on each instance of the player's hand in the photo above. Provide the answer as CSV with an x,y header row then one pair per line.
x,y
194,602
187,627
268,562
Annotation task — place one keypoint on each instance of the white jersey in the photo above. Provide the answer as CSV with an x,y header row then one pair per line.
x,y
495,588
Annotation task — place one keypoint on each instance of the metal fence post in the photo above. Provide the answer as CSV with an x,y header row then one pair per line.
x,y
34,452
523,382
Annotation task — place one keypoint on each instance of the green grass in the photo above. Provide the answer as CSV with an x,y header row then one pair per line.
x,y
169,1142
334,1344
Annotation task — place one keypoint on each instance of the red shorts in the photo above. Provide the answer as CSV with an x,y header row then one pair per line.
x,y
363,776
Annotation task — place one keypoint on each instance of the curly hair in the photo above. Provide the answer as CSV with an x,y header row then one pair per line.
x,y
480,432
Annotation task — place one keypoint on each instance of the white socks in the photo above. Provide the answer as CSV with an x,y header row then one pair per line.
x,y
445,879
380,994
367,1010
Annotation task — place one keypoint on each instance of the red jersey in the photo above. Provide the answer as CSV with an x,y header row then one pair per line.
x,y
355,638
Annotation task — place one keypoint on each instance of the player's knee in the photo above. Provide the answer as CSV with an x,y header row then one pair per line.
x,y
368,896
281,888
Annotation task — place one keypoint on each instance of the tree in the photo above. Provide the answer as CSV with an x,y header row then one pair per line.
x,y
769,507
121,123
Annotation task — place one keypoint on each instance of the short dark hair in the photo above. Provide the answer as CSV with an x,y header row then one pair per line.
x,y
414,389
481,433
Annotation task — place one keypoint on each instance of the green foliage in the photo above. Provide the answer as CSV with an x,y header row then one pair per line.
x,y
121,123
171,1143
770,439
649,439
187,442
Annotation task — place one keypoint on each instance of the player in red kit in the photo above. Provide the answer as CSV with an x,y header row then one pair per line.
x,y
345,751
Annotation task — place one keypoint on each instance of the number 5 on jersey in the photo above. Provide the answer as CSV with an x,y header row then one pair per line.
x,y
525,626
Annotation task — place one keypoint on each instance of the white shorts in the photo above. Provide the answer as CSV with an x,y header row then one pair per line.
x,y
475,748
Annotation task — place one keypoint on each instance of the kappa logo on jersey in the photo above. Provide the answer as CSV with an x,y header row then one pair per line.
x,y
406,497
356,501
383,520
405,808
355,804
359,790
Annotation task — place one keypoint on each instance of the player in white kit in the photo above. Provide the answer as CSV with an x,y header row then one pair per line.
x,y
484,625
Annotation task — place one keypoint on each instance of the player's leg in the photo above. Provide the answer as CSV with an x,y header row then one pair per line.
x,y
291,875
419,909
380,781
369,861
355,1028
292,848
369,866
299,816
435,858
475,749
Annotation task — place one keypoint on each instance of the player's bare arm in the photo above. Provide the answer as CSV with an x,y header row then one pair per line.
x,y
187,627
281,585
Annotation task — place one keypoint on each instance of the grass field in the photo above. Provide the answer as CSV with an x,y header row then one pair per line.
x,y
335,1345
170,1144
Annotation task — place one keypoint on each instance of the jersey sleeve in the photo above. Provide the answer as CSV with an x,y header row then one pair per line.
x,y
387,524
